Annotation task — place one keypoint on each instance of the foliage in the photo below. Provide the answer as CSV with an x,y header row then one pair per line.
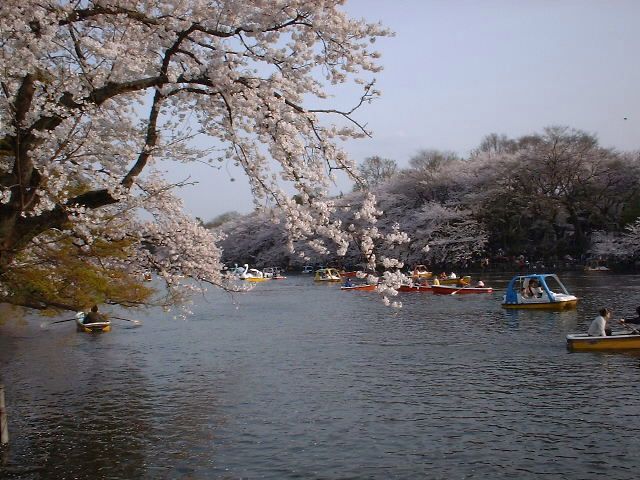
x,y
549,192
93,93
374,171
432,160
543,195
58,274
221,219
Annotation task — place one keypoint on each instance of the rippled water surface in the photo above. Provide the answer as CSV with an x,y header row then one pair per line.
x,y
299,380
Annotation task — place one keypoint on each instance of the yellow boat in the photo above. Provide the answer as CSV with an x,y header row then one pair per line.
x,y
461,282
621,340
554,306
327,275
91,327
420,271
252,275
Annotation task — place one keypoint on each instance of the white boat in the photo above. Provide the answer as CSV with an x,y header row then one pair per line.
x,y
252,274
597,268
520,295
91,327
236,270
274,273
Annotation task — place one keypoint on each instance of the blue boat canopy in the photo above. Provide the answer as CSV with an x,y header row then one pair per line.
x,y
520,282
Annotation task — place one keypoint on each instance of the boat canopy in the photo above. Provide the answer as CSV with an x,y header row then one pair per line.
x,y
521,282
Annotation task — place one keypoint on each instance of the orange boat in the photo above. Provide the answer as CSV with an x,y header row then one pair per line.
x,y
348,274
451,290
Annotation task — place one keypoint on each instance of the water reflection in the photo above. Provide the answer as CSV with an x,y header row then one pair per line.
x,y
306,382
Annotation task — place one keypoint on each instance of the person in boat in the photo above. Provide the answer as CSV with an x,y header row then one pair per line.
x,y
453,276
598,327
532,290
93,316
348,283
535,288
634,320
443,276
480,284
436,281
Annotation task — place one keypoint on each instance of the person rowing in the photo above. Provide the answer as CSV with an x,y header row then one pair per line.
x,y
93,316
634,320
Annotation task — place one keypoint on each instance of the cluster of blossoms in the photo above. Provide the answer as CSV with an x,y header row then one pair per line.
x,y
95,92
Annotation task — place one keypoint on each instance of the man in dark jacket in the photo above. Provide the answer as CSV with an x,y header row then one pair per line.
x,y
634,320
93,316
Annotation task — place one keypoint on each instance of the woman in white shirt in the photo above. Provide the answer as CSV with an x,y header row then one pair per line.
x,y
598,327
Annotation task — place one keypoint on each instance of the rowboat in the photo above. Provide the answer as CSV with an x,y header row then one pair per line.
x,y
519,293
350,274
91,327
415,288
618,340
366,288
449,290
599,268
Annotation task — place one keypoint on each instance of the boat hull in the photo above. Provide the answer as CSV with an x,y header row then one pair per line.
x,y
415,288
617,341
255,279
449,290
563,305
348,274
365,288
91,327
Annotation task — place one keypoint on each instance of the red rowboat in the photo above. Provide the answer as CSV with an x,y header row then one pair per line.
x,y
348,274
415,288
451,290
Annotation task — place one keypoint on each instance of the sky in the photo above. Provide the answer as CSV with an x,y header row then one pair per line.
x,y
458,70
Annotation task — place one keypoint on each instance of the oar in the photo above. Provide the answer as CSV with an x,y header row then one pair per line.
x,y
135,322
630,328
45,324
461,288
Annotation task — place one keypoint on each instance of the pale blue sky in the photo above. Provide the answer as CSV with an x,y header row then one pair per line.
x,y
458,70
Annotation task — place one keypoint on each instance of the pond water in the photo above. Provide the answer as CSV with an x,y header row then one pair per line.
x,y
300,380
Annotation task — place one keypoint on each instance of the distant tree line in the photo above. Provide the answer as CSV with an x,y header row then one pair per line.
x,y
548,196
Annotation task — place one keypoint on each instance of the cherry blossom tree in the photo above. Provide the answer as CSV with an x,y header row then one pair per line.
x,y
94,93
547,193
